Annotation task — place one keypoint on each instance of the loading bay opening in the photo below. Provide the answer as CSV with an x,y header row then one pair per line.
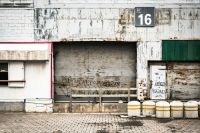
x,y
94,72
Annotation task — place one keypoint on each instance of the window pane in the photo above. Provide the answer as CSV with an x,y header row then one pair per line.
x,y
3,73
3,67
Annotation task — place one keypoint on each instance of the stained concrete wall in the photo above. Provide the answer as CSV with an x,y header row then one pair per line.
x,y
117,24
183,80
94,65
11,106
24,52
104,20
90,107
114,25
53,20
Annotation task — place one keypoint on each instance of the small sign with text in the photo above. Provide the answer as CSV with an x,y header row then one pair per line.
x,y
144,16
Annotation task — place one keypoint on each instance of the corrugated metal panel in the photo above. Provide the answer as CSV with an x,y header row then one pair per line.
x,y
181,50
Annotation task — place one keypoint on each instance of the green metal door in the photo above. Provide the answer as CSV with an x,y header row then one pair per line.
x,y
181,50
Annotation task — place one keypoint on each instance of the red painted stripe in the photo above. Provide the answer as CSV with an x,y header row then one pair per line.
x,y
4,81
51,78
25,42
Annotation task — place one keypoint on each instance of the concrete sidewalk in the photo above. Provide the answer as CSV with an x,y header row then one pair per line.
x,y
92,123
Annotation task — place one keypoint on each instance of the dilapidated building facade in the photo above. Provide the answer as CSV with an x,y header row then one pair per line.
x,y
98,54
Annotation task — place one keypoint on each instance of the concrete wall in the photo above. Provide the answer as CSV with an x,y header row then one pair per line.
x,y
23,52
90,108
115,25
57,20
103,20
94,65
11,106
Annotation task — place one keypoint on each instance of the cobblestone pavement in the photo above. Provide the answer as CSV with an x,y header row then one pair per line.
x,y
92,123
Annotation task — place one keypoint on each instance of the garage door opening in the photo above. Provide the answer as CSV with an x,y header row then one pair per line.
x,y
94,72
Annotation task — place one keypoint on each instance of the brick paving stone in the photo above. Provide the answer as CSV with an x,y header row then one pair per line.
x,y
92,123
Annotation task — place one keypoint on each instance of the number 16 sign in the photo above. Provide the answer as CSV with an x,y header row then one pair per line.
x,y
144,16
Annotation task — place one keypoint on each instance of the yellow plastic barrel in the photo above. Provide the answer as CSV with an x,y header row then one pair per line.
x,y
148,108
176,109
133,108
191,109
162,109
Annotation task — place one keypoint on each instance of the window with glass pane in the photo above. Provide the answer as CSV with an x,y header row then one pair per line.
x,y
3,73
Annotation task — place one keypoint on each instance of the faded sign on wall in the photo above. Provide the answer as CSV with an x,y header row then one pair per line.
x,y
158,79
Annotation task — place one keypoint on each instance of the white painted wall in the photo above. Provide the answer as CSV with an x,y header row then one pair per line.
x,y
37,77
16,25
112,3
24,46
16,72
146,51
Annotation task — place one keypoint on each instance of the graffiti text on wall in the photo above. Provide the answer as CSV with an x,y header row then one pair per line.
x,y
87,83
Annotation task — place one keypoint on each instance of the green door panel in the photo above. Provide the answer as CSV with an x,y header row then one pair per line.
x,y
181,50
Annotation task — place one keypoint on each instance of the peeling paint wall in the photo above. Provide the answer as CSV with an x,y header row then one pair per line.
x,y
114,25
117,24
103,20
183,80
46,24
146,51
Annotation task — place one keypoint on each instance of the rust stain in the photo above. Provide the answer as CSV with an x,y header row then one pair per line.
x,y
86,82
66,83
46,24
180,73
184,80
126,17
163,16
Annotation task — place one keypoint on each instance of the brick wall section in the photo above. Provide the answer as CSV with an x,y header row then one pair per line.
x,y
16,25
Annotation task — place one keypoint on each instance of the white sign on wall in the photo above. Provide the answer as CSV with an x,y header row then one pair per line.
x,y
158,79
